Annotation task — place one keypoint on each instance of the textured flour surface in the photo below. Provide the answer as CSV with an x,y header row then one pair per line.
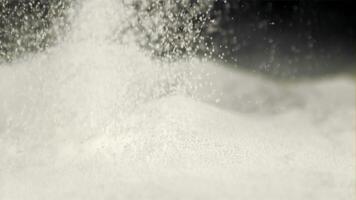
x,y
176,147
95,120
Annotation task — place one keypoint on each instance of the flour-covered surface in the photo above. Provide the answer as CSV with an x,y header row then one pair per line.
x,y
91,119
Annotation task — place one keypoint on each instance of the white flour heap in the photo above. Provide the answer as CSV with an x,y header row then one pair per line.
x,y
92,119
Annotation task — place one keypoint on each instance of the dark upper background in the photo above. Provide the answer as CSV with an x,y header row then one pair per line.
x,y
287,38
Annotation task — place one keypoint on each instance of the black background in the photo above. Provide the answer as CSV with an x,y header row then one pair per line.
x,y
287,37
